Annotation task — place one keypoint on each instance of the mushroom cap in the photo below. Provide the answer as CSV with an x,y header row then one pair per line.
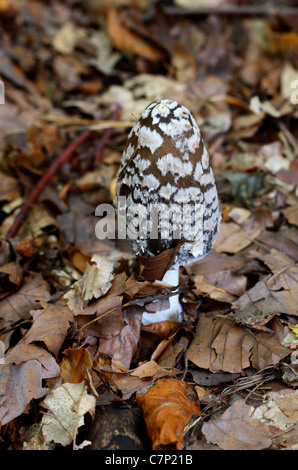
x,y
165,168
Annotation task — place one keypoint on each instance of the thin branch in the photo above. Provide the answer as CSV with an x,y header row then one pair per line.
x,y
44,181
233,10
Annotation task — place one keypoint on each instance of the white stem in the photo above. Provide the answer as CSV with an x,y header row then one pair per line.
x,y
174,311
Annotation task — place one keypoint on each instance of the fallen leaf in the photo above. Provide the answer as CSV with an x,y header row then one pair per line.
x,y
75,365
79,259
94,283
219,345
236,430
24,383
15,272
38,219
66,406
17,306
232,239
291,214
21,378
50,326
273,295
10,188
162,329
279,409
267,349
166,411
122,347
148,369
126,40
68,37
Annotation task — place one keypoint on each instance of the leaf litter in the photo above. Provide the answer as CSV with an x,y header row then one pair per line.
x,y
71,337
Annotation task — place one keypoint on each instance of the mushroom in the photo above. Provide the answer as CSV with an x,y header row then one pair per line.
x,y
166,188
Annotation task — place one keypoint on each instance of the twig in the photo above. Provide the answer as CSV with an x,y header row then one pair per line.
x,y
44,181
231,10
107,136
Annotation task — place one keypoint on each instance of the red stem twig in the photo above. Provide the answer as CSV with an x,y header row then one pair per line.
x,y
233,10
44,181
107,136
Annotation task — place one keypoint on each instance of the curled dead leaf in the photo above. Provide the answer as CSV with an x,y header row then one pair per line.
x,y
126,40
75,365
167,410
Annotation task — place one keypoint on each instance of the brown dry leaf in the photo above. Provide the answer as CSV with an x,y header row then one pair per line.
x,y
260,302
184,63
10,189
14,271
166,410
24,382
246,126
75,365
108,321
122,347
219,345
50,326
162,329
291,214
102,306
169,358
4,4
121,284
267,349
125,40
273,295
148,369
127,384
24,352
285,241
213,291
217,276
236,430
79,259
39,217
17,306
21,378
232,239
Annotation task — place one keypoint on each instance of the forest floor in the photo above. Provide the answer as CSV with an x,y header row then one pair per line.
x,y
77,368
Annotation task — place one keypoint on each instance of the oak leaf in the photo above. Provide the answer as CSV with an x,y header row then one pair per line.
x,y
236,430
50,326
17,306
